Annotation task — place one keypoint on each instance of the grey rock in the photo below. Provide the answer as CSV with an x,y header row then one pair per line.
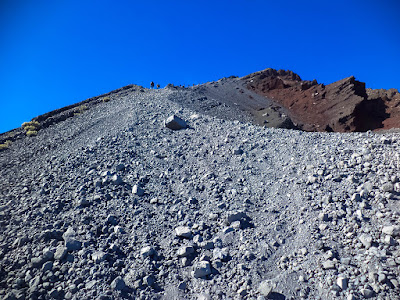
x,y
89,285
367,293
175,123
47,266
366,240
182,285
201,269
237,151
70,232
389,240
387,187
185,251
72,244
207,245
118,284
120,167
60,253
111,219
235,216
147,251
83,202
323,217
48,255
34,284
203,296
328,265
54,294
117,180
221,254
37,262
356,197
149,280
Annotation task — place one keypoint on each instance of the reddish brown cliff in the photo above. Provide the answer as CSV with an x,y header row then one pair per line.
x,y
345,105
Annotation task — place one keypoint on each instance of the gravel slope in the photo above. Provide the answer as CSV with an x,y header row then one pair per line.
x,y
111,204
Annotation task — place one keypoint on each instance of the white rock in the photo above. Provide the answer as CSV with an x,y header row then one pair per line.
x,y
328,265
118,229
389,240
351,297
137,190
342,282
366,240
183,231
185,251
387,187
391,230
116,179
147,251
304,251
98,256
265,288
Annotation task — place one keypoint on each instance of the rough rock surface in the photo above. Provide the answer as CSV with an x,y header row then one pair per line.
x,y
220,210
345,105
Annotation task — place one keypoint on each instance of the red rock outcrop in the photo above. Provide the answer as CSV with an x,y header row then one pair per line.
x,y
345,105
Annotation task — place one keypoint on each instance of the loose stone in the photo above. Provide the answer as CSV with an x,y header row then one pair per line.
x,y
183,231
201,269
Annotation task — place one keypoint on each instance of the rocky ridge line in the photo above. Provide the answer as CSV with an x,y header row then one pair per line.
x,y
343,106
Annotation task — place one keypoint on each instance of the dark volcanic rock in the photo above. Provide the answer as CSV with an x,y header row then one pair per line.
x,y
344,105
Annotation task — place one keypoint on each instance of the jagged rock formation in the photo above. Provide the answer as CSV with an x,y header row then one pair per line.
x,y
345,105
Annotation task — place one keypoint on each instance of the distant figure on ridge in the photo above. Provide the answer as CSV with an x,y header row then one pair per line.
x,y
152,85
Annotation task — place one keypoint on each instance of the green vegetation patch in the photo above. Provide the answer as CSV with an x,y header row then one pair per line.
x,y
5,145
80,109
31,133
31,128
106,99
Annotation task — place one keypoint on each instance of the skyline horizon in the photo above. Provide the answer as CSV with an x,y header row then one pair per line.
x,y
59,53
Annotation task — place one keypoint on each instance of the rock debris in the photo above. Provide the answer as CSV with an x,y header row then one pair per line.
x,y
112,204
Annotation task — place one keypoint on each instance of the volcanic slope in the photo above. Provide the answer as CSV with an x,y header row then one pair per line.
x,y
111,204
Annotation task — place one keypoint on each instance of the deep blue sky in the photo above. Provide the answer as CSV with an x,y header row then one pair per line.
x,y
55,53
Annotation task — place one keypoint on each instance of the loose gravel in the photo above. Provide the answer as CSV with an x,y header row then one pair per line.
x,y
112,204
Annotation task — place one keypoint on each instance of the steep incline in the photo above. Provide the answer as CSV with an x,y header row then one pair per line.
x,y
111,204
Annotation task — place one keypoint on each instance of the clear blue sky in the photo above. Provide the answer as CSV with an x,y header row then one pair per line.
x,y
55,53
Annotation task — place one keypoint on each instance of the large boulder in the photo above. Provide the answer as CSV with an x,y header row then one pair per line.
x,y
175,123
